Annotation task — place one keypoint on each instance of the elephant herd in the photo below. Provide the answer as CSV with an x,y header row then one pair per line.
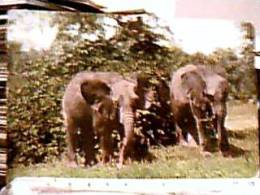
x,y
96,103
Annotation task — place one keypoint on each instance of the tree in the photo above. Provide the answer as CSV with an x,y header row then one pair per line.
x,y
247,61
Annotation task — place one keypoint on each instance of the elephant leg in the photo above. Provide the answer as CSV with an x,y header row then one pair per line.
x,y
71,139
180,137
222,135
191,134
106,146
202,142
201,134
88,144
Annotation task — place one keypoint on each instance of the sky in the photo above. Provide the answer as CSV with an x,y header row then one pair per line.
x,y
203,27
40,37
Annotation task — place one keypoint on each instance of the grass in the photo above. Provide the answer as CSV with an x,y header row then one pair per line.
x,y
176,161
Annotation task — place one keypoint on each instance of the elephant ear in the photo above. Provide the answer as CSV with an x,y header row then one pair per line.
x,y
94,91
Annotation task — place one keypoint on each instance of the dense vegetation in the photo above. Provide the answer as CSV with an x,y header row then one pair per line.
x,y
38,79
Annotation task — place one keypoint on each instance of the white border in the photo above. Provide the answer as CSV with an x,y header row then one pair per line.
x,y
50,185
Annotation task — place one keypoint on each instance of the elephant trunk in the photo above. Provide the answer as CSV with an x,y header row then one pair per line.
x,y
128,122
221,130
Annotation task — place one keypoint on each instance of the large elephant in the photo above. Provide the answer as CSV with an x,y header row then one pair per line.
x,y
198,98
88,109
191,105
79,112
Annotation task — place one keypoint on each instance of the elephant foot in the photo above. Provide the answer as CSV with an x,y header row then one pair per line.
x,y
71,164
224,147
183,143
104,163
226,153
119,165
206,154
101,164
191,142
88,164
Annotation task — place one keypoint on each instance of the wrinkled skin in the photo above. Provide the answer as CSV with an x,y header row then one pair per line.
x,y
191,105
79,111
217,87
88,109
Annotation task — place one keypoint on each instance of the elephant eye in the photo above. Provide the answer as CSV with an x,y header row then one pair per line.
x,y
97,99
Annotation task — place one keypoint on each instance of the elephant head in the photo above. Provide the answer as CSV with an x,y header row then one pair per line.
x,y
106,99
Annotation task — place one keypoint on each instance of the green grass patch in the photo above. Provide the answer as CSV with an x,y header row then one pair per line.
x,y
175,161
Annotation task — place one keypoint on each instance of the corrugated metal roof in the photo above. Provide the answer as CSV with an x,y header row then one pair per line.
x,y
63,5
68,5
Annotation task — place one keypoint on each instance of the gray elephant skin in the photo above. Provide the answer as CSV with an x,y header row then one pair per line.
x,y
198,101
98,102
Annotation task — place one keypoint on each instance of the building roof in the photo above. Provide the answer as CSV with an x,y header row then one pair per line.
x,y
65,5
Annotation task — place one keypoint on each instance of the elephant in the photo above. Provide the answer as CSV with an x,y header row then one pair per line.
x,y
198,99
88,109
191,106
87,102
217,87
